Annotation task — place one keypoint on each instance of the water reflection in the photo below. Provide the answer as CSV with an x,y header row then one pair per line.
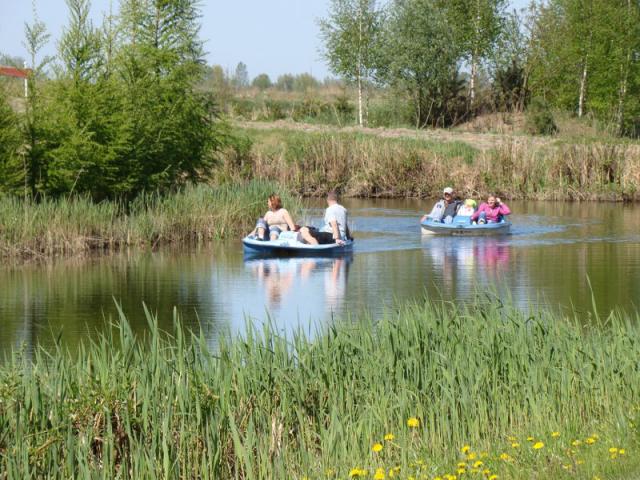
x,y
314,286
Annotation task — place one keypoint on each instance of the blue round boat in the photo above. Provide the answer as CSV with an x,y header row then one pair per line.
x,y
288,244
464,226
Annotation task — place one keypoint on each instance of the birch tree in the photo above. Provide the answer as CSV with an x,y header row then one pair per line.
x,y
350,34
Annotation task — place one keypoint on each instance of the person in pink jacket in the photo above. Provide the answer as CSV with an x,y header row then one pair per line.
x,y
491,212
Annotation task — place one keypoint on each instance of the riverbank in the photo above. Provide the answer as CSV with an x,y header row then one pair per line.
x,y
309,159
77,226
482,391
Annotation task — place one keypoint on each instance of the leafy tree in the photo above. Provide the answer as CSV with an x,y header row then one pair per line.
x,y
351,34
241,76
304,82
420,58
285,82
11,141
262,81
475,24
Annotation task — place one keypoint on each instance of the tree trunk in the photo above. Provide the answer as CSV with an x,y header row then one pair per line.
x,y
359,99
583,87
472,81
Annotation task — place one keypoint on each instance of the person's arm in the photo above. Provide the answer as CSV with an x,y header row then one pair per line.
x,y
477,213
289,220
504,209
336,231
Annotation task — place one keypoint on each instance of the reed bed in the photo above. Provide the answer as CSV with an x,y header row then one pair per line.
x,y
72,226
381,165
433,391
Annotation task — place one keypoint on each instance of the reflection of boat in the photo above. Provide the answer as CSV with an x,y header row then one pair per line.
x,y
463,226
288,245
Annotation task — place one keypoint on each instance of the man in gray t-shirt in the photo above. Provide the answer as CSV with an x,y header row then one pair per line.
x,y
335,228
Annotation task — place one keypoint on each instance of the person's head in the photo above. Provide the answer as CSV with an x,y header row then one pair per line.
x,y
469,202
448,194
274,202
491,200
332,197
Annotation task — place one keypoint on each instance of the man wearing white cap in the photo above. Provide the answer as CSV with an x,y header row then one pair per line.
x,y
445,209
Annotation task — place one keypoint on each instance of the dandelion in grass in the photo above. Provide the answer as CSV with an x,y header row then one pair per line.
x,y
486,472
613,450
530,439
590,441
538,445
555,434
413,422
462,465
379,475
472,456
622,451
478,464
466,449
460,471
505,457
389,437
576,443
357,472
515,445
493,477
377,447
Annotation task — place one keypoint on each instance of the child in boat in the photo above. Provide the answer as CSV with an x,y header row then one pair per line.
x,y
468,209
491,212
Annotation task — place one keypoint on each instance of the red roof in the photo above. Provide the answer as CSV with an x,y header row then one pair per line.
x,y
14,72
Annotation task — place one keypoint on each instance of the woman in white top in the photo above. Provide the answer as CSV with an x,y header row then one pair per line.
x,y
276,220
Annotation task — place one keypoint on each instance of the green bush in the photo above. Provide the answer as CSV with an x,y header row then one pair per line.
x,y
539,119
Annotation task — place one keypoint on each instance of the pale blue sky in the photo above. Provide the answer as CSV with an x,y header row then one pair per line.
x,y
272,36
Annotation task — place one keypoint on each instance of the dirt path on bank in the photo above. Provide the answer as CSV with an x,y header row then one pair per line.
x,y
481,141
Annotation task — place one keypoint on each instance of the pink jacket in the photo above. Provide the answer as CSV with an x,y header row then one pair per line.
x,y
493,214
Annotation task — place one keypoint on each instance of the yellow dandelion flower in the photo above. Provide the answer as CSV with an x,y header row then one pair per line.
x,y
590,441
465,449
613,456
379,475
555,434
505,456
392,473
613,450
472,456
460,471
576,443
438,478
413,422
595,435
596,477
538,445
493,477
389,436
462,465
530,439
486,471
515,445
377,447
579,462
357,472
621,451
478,464
512,439
566,467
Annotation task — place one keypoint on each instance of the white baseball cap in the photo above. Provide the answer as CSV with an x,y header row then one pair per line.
x,y
448,190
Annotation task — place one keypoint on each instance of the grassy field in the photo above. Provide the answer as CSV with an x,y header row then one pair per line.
x,y
403,163
432,391
72,226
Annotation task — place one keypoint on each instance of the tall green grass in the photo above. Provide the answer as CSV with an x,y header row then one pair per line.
x,y
393,164
70,226
266,406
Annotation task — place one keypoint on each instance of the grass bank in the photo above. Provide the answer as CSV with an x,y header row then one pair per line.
x,y
393,164
76,225
431,391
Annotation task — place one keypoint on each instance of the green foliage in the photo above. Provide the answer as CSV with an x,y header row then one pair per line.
x,y
540,119
420,58
11,160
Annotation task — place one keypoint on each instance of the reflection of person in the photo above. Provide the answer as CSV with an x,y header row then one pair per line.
x,y
277,282
335,284
276,220
492,211
335,229
445,209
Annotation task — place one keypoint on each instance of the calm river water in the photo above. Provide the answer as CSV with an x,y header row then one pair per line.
x,y
558,255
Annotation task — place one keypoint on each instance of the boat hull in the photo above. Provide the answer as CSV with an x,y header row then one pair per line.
x,y
294,248
436,228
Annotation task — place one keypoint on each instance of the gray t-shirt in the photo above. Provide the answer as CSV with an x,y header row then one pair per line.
x,y
339,214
